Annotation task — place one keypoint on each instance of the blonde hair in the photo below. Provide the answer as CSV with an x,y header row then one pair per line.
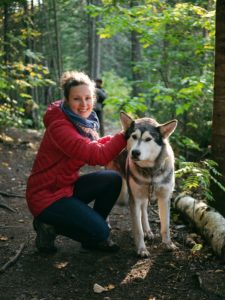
x,y
70,79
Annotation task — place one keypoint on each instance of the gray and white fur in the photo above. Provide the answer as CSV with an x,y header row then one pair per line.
x,y
147,166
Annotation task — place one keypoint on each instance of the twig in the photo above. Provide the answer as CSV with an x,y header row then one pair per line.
x,y
12,259
11,226
7,207
10,195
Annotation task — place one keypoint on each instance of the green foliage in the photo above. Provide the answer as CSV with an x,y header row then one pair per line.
x,y
16,79
196,177
196,248
178,60
118,96
186,144
22,70
73,32
11,114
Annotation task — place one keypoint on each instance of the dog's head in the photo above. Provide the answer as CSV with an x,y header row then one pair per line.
x,y
145,138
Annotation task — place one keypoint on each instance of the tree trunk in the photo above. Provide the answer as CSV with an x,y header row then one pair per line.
x,y
29,43
97,67
218,128
48,49
136,57
6,57
208,221
58,45
94,68
91,45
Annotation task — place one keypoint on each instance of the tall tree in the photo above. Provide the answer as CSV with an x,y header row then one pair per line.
x,y
218,128
5,32
93,44
57,39
137,75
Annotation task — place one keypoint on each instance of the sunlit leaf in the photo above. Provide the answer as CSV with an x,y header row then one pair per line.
x,y
61,265
196,248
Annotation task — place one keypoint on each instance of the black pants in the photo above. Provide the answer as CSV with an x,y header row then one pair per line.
x,y
74,218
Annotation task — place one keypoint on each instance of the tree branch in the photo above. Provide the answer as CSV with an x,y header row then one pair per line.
x,y
13,259
10,195
206,219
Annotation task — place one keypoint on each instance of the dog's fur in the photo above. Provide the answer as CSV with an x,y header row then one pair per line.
x,y
147,165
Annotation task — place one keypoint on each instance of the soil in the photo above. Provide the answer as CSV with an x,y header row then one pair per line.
x,y
187,273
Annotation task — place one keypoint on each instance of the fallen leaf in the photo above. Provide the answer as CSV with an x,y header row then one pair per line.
x,y
196,248
61,265
3,238
219,271
110,287
6,139
5,164
99,289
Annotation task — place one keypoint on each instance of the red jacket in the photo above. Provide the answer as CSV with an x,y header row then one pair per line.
x,y
63,151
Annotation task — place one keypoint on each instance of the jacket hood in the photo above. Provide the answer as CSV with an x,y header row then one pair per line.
x,y
53,113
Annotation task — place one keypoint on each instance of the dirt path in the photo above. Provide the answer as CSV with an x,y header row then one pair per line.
x,y
70,274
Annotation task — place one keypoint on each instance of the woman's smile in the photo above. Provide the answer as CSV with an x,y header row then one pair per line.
x,y
81,100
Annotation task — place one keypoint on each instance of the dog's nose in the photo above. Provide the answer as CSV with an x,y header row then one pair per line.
x,y
135,153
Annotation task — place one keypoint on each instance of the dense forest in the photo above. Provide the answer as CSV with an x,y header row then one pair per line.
x,y
156,58
163,59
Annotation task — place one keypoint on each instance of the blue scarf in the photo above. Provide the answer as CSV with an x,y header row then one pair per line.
x,y
86,127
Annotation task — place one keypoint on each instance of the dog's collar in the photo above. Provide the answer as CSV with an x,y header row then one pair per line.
x,y
136,179
149,185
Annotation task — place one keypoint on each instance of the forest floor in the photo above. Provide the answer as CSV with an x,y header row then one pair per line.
x,y
71,274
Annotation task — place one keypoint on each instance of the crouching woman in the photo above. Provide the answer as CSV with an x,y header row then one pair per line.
x,y
57,196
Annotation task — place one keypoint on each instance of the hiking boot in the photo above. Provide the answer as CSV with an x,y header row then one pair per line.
x,y
106,246
45,237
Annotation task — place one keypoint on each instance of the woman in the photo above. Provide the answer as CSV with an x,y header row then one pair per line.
x,y
56,195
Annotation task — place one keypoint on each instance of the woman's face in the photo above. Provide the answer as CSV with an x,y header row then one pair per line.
x,y
81,100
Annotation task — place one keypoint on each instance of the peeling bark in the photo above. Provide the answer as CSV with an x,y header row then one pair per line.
x,y
206,219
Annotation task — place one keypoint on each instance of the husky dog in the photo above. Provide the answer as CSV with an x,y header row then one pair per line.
x,y
147,165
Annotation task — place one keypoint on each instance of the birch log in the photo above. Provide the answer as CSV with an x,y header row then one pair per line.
x,y
207,220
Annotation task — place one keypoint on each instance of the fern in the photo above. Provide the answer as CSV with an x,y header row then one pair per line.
x,y
196,177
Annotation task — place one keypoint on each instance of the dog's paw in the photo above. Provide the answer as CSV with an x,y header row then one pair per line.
x,y
149,235
169,246
143,252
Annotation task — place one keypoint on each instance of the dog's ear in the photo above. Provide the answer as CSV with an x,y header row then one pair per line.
x,y
168,128
125,120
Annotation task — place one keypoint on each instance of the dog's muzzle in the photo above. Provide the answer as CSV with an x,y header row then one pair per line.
x,y
135,154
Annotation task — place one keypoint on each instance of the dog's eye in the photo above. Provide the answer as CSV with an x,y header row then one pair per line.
x,y
148,139
134,136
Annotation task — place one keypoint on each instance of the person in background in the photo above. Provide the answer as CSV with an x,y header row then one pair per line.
x,y
56,194
100,97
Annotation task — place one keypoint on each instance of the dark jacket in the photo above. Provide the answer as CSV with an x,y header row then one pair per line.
x,y
100,97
